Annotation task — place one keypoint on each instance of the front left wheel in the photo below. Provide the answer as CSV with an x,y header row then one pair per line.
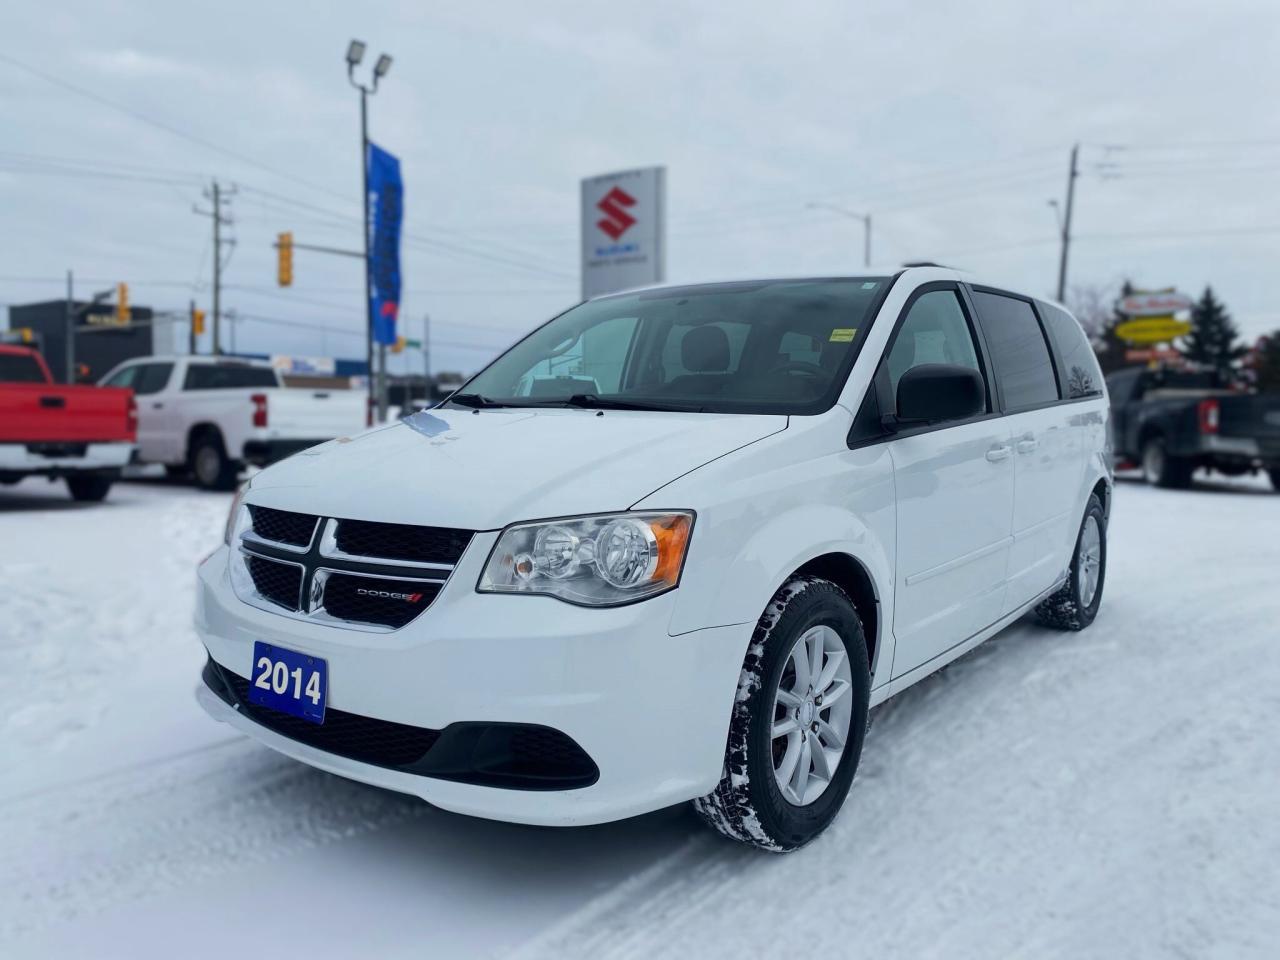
x,y
798,721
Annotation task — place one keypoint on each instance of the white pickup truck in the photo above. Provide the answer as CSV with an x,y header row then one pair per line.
x,y
209,416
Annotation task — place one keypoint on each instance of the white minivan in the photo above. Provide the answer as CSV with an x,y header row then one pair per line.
x,y
673,545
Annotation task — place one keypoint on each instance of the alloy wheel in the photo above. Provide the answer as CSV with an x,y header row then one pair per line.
x,y
812,710
1089,560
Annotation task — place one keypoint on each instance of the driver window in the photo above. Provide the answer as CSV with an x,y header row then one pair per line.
x,y
934,331
122,378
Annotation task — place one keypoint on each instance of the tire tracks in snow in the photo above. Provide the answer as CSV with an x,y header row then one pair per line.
x,y
138,833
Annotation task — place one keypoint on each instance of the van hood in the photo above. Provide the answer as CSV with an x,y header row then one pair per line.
x,y
481,470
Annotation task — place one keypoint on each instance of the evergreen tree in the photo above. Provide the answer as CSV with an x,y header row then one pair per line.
x,y
1214,339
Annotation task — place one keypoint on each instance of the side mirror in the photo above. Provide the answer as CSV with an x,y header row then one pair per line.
x,y
934,392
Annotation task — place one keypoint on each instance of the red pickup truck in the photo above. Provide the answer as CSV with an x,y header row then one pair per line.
x,y
82,434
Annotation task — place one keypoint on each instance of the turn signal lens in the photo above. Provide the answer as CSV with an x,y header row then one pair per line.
x,y
593,561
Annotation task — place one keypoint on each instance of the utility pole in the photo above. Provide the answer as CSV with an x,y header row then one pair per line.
x,y
866,225
426,356
1066,221
217,197
191,327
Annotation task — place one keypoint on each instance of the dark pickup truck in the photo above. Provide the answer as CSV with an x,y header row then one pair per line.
x,y
1171,422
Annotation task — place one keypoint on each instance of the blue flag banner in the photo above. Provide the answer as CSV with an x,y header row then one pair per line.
x,y
386,199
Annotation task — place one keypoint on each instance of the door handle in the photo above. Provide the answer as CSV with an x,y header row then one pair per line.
x,y
157,406
996,454
53,403
1028,445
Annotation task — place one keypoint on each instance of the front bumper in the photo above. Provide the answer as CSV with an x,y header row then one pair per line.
x,y
650,710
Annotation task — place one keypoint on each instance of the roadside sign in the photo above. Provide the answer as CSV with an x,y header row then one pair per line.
x,y
1155,353
623,224
1154,303
1155,329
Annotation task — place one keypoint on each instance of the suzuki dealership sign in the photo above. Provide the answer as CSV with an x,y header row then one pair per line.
x,y
623,230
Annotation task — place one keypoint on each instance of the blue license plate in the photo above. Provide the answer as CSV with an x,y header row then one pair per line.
x,y
289,681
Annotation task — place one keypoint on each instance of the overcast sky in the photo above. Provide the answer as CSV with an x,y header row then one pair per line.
x,y
951,126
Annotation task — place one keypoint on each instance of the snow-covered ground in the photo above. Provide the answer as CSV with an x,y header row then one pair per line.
x,y
1113,793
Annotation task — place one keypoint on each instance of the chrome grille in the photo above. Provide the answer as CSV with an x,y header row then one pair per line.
x,y
374,576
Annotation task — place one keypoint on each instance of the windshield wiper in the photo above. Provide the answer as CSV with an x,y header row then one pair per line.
x,y
475,401
593,401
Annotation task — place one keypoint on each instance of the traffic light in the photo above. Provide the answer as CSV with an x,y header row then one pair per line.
x,y
284,259
197,322
398,346
122,304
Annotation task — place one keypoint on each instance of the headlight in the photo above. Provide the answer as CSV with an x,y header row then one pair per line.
x,y
238,518
595,561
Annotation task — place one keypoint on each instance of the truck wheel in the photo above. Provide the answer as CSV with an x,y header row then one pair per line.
x,y
209,462
89,489
1274,473
798,721
1076,604
1162,470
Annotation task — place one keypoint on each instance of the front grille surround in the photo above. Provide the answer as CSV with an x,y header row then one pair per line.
x,y
272,568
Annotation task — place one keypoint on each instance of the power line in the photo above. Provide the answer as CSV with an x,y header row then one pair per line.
x,y
158,124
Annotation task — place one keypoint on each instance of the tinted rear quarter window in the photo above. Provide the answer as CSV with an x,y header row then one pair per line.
x,y
209,376
1081,376
1019,354
16,368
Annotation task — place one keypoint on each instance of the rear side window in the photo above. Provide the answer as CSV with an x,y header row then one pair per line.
x,y
209,376
1081,376
1019,353
17,368
151,378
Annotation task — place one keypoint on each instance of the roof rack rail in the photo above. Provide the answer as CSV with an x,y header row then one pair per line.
x,y
925,263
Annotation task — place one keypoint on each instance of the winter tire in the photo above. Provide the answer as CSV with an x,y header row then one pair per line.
x,y
1075,605
798,722
209,462
1162,470
89,489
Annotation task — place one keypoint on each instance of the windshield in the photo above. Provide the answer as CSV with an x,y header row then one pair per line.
x,y
776,346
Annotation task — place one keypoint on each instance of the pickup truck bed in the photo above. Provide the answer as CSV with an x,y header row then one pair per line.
x,y
80,433
1171,423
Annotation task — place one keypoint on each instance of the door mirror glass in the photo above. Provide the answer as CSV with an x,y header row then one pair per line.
x,y
934,392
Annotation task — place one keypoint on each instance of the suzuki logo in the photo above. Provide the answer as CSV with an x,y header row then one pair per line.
x,y
616,220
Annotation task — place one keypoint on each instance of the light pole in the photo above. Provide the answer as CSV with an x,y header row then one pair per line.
x,y
866,225
378,385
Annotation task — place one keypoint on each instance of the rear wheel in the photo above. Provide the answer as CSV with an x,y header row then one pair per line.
x,y
89,489
209,462
1163,470
798,722
1076,604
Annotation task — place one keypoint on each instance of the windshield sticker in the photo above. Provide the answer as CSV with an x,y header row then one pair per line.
x,y
843,334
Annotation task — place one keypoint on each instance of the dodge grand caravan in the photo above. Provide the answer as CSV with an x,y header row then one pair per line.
x,y
673,545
